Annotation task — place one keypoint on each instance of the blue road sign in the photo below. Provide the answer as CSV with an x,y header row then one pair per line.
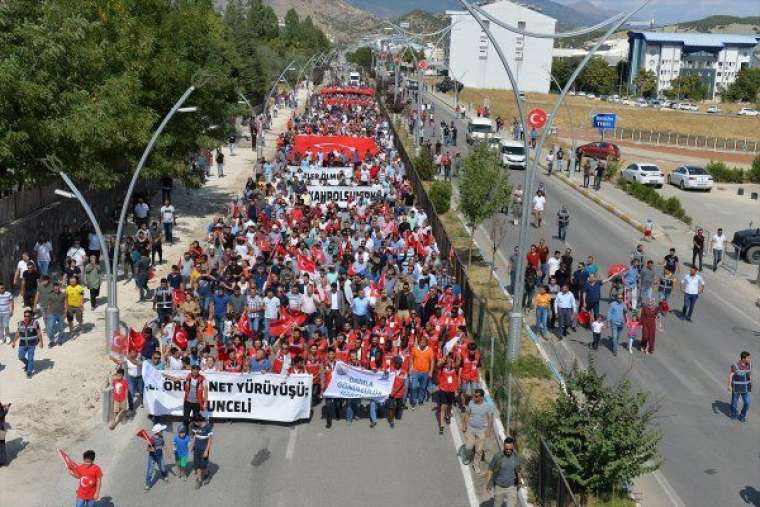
x,y
604,120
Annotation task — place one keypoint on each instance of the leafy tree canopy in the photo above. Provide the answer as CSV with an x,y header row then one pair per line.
x,y
483,186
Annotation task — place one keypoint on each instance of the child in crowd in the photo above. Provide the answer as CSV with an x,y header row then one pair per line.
x,y
632,325
597,327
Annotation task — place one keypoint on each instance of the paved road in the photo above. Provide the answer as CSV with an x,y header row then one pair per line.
x,y
278,465
709,459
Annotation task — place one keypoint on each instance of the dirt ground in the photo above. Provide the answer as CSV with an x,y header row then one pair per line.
x,y
577,113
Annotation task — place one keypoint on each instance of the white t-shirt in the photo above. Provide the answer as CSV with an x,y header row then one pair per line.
x,y
596,327
78,254
21,267
43,251
271,308
691,284
718,241
167,214
553,264
141,210
539,202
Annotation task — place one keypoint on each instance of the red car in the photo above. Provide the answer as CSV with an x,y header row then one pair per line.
x,y
598,150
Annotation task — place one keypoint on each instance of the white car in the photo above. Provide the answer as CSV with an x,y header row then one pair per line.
x,y
590,96
747,111
713,109
690,176
646,174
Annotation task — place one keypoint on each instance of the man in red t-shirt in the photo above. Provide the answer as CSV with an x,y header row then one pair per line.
x,y
90,477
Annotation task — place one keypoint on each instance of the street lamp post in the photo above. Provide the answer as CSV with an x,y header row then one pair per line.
x,y
260,137
54,164
112,310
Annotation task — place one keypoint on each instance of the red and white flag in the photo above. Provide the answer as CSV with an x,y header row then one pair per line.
x,y
306,265
145,436
70,463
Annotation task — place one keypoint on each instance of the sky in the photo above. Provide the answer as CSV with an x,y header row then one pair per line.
x,y
669,11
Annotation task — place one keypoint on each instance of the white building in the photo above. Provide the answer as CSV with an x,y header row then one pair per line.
x,y
612,51
474,62
715,57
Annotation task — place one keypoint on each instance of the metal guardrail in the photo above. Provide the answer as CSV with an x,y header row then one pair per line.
x,y
714,143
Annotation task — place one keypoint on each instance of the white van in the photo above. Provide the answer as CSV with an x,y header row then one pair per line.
x,y
512,154
354,78
478,129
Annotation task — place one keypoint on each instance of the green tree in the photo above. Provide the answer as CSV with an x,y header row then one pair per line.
x,y
688,86
483,187
292,29
362,57
600,434
562,69
646,83
746,88
598,77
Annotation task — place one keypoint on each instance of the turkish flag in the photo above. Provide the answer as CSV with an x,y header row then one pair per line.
x,y
180,339
178,296
245,326
120,343
136,340
70,463
306,265
287,321
145,436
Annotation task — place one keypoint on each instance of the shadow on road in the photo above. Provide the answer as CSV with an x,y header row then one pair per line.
x,y
13,448
722,407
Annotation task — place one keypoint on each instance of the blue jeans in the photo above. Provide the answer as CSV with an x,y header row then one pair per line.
x,y
5,322
253,322
158,460
615,329
372,411
562,232
219,323
135,387
646,294
85,503
141,281
593,308
746,399
689,301
664,294
419,387
542,316
43,267
54,328
352,405
168,232
717,257
26,356
219,170
205,301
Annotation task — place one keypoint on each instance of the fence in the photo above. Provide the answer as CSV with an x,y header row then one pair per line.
x,y
22,203
489,332
687,140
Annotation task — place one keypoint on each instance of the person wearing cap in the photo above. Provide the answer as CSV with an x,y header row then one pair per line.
x,y
28,336
156,456
181,444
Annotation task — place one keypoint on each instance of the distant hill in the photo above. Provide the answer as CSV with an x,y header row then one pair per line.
x,y
565,15
721,24
423,21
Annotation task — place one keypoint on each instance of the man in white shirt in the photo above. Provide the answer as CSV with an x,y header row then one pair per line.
x,y
718,243
141,212
21,267
168,219
93,245
43,249
77,253
309,304
693,285
566,307
552,263
539,201
271,312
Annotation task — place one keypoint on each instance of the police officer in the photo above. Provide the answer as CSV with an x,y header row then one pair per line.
x,y
28,337
740,385
563,220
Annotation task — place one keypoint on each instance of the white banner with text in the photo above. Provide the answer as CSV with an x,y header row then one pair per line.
x,y
321,193
353,382
261,396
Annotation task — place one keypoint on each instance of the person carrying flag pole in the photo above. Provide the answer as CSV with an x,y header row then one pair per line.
x,y
89,475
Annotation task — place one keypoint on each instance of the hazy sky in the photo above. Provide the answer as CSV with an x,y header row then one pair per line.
x,y
667,11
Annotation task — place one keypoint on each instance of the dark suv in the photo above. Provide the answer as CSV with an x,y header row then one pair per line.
x,y
748,242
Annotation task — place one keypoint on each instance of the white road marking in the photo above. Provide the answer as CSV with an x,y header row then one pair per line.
x,y
291,449
668,489
469,485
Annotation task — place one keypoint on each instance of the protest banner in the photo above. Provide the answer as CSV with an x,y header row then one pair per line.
x,y
353,382
325,193
258,396
314,172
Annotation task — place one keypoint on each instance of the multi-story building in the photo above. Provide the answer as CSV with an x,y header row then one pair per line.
x,y
474,62
715,57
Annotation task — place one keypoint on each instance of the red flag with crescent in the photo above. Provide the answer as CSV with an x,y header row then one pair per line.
x,y
70,463
145,436
136,340
287,321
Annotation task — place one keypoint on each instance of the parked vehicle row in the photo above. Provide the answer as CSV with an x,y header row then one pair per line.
x,y
662,104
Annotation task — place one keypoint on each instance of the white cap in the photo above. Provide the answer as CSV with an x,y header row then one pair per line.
x,y
157,428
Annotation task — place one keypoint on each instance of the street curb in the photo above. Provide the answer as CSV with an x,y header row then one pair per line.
x,y
604,204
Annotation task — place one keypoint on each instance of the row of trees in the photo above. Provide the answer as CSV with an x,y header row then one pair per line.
x,y
88,81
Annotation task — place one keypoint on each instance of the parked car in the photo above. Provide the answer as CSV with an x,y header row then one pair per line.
x,y
590,96
582,93
691,176
713,109
600,150
446,85
747,111
748,242
646,174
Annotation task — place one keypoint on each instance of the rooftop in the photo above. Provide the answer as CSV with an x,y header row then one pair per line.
x,y
716,40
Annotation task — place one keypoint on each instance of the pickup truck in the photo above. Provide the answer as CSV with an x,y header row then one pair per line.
x,y
748,242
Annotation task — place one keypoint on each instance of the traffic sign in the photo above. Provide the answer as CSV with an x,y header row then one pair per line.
x,y
604,120
536,118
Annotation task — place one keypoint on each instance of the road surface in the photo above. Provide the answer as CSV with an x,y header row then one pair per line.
x,y
709,459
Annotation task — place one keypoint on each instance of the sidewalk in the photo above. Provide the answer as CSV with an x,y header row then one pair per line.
x,y
60,407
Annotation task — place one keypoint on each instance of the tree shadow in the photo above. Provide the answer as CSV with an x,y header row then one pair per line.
x,y
750,495
13,448
719,406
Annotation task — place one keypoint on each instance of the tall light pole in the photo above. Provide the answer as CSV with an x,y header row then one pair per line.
x,y
265,107
112,310
54,164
